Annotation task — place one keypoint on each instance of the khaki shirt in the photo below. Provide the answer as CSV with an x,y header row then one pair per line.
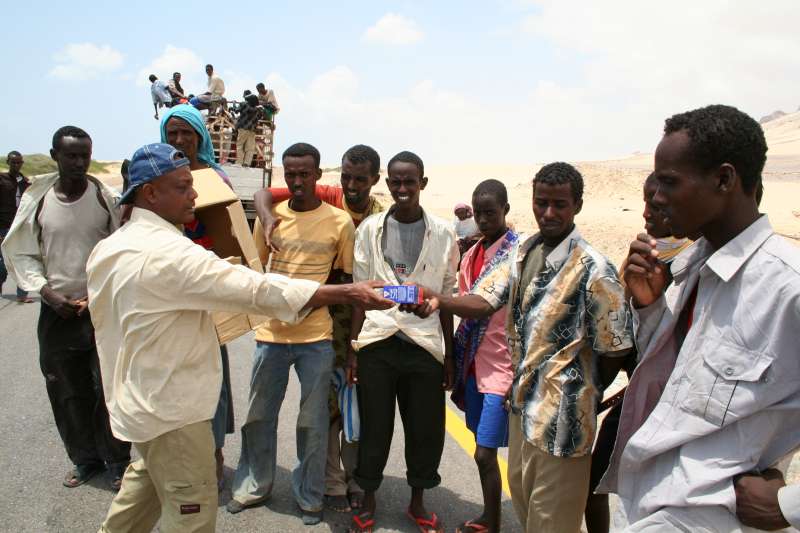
x,y
151,291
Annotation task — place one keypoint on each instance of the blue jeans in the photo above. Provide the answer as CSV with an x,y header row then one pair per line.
x,y
313,363
4,272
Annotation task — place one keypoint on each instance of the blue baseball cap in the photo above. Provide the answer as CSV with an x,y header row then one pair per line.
x,y
149,162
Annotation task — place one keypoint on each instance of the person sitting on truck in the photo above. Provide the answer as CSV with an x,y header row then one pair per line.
x,y
266,97
160,94
175,89
216,88
249,114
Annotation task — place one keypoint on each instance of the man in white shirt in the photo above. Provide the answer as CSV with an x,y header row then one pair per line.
x,y
151,291
160,93
716,394
401,358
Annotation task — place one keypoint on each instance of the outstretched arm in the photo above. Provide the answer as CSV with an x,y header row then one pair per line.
x,y
467,306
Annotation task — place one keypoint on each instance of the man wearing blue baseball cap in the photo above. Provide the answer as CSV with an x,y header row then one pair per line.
x,y
153,288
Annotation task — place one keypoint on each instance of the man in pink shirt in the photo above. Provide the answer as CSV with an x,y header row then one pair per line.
x,y
483,362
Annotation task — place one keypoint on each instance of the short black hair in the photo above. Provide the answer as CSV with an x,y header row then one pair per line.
x,y
408,157
210,65
260,86
722,134
361,153
68,131
13,153
152,77
302,150
176,74
560,173
494,188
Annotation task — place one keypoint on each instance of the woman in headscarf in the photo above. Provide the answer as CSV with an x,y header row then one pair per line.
x,y
184,128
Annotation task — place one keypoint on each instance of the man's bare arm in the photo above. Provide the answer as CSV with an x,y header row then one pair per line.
x,y
468,306
361,294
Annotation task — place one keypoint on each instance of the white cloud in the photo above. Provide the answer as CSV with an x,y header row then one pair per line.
x,y
394,29
641,62
175,59
85,61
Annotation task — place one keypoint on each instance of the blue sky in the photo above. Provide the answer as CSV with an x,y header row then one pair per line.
x,y
505,81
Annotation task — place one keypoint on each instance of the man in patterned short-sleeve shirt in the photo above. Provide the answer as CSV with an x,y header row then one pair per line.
x,y
568,329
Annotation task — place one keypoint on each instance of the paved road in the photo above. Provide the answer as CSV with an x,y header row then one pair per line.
x,y
33,462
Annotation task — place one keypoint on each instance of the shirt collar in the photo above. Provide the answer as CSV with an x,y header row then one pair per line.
x,y
144,215
727,261
559,254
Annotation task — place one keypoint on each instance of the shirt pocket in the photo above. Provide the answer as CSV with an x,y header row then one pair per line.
x,y
727,381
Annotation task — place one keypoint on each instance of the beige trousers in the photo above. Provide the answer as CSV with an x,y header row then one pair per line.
x,y
548,492
175,480
338,481
245,147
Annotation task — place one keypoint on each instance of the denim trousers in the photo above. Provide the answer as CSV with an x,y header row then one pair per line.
x,y
313,363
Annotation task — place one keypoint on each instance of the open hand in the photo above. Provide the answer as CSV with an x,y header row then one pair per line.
x,y
269,224
644,275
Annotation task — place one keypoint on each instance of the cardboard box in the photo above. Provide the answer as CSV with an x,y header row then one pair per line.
x,y
221,212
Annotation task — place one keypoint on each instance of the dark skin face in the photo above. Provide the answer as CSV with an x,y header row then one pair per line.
x,y
554,208
209,70
301,175
73,156
181,135
15,163
696,202
170,196
490,216
357,181
405,184
653,219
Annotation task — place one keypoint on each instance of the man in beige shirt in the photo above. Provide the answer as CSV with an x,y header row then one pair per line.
x,y
154,289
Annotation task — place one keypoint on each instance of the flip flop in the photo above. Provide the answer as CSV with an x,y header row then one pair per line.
x,y
356,500
362,523
340,504
117,473
426,525
471,527
81,474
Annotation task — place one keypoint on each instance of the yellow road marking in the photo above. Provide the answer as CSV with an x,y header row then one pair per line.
x,y
464,437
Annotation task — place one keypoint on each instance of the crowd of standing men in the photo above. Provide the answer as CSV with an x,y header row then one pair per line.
x,y
711,408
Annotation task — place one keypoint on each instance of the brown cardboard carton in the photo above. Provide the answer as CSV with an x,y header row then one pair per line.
x,y
221,212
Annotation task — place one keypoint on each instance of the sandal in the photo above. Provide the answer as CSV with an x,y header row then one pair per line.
x,y
362,523
471,527
340,504
356,500
426,525
81,474
117,473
